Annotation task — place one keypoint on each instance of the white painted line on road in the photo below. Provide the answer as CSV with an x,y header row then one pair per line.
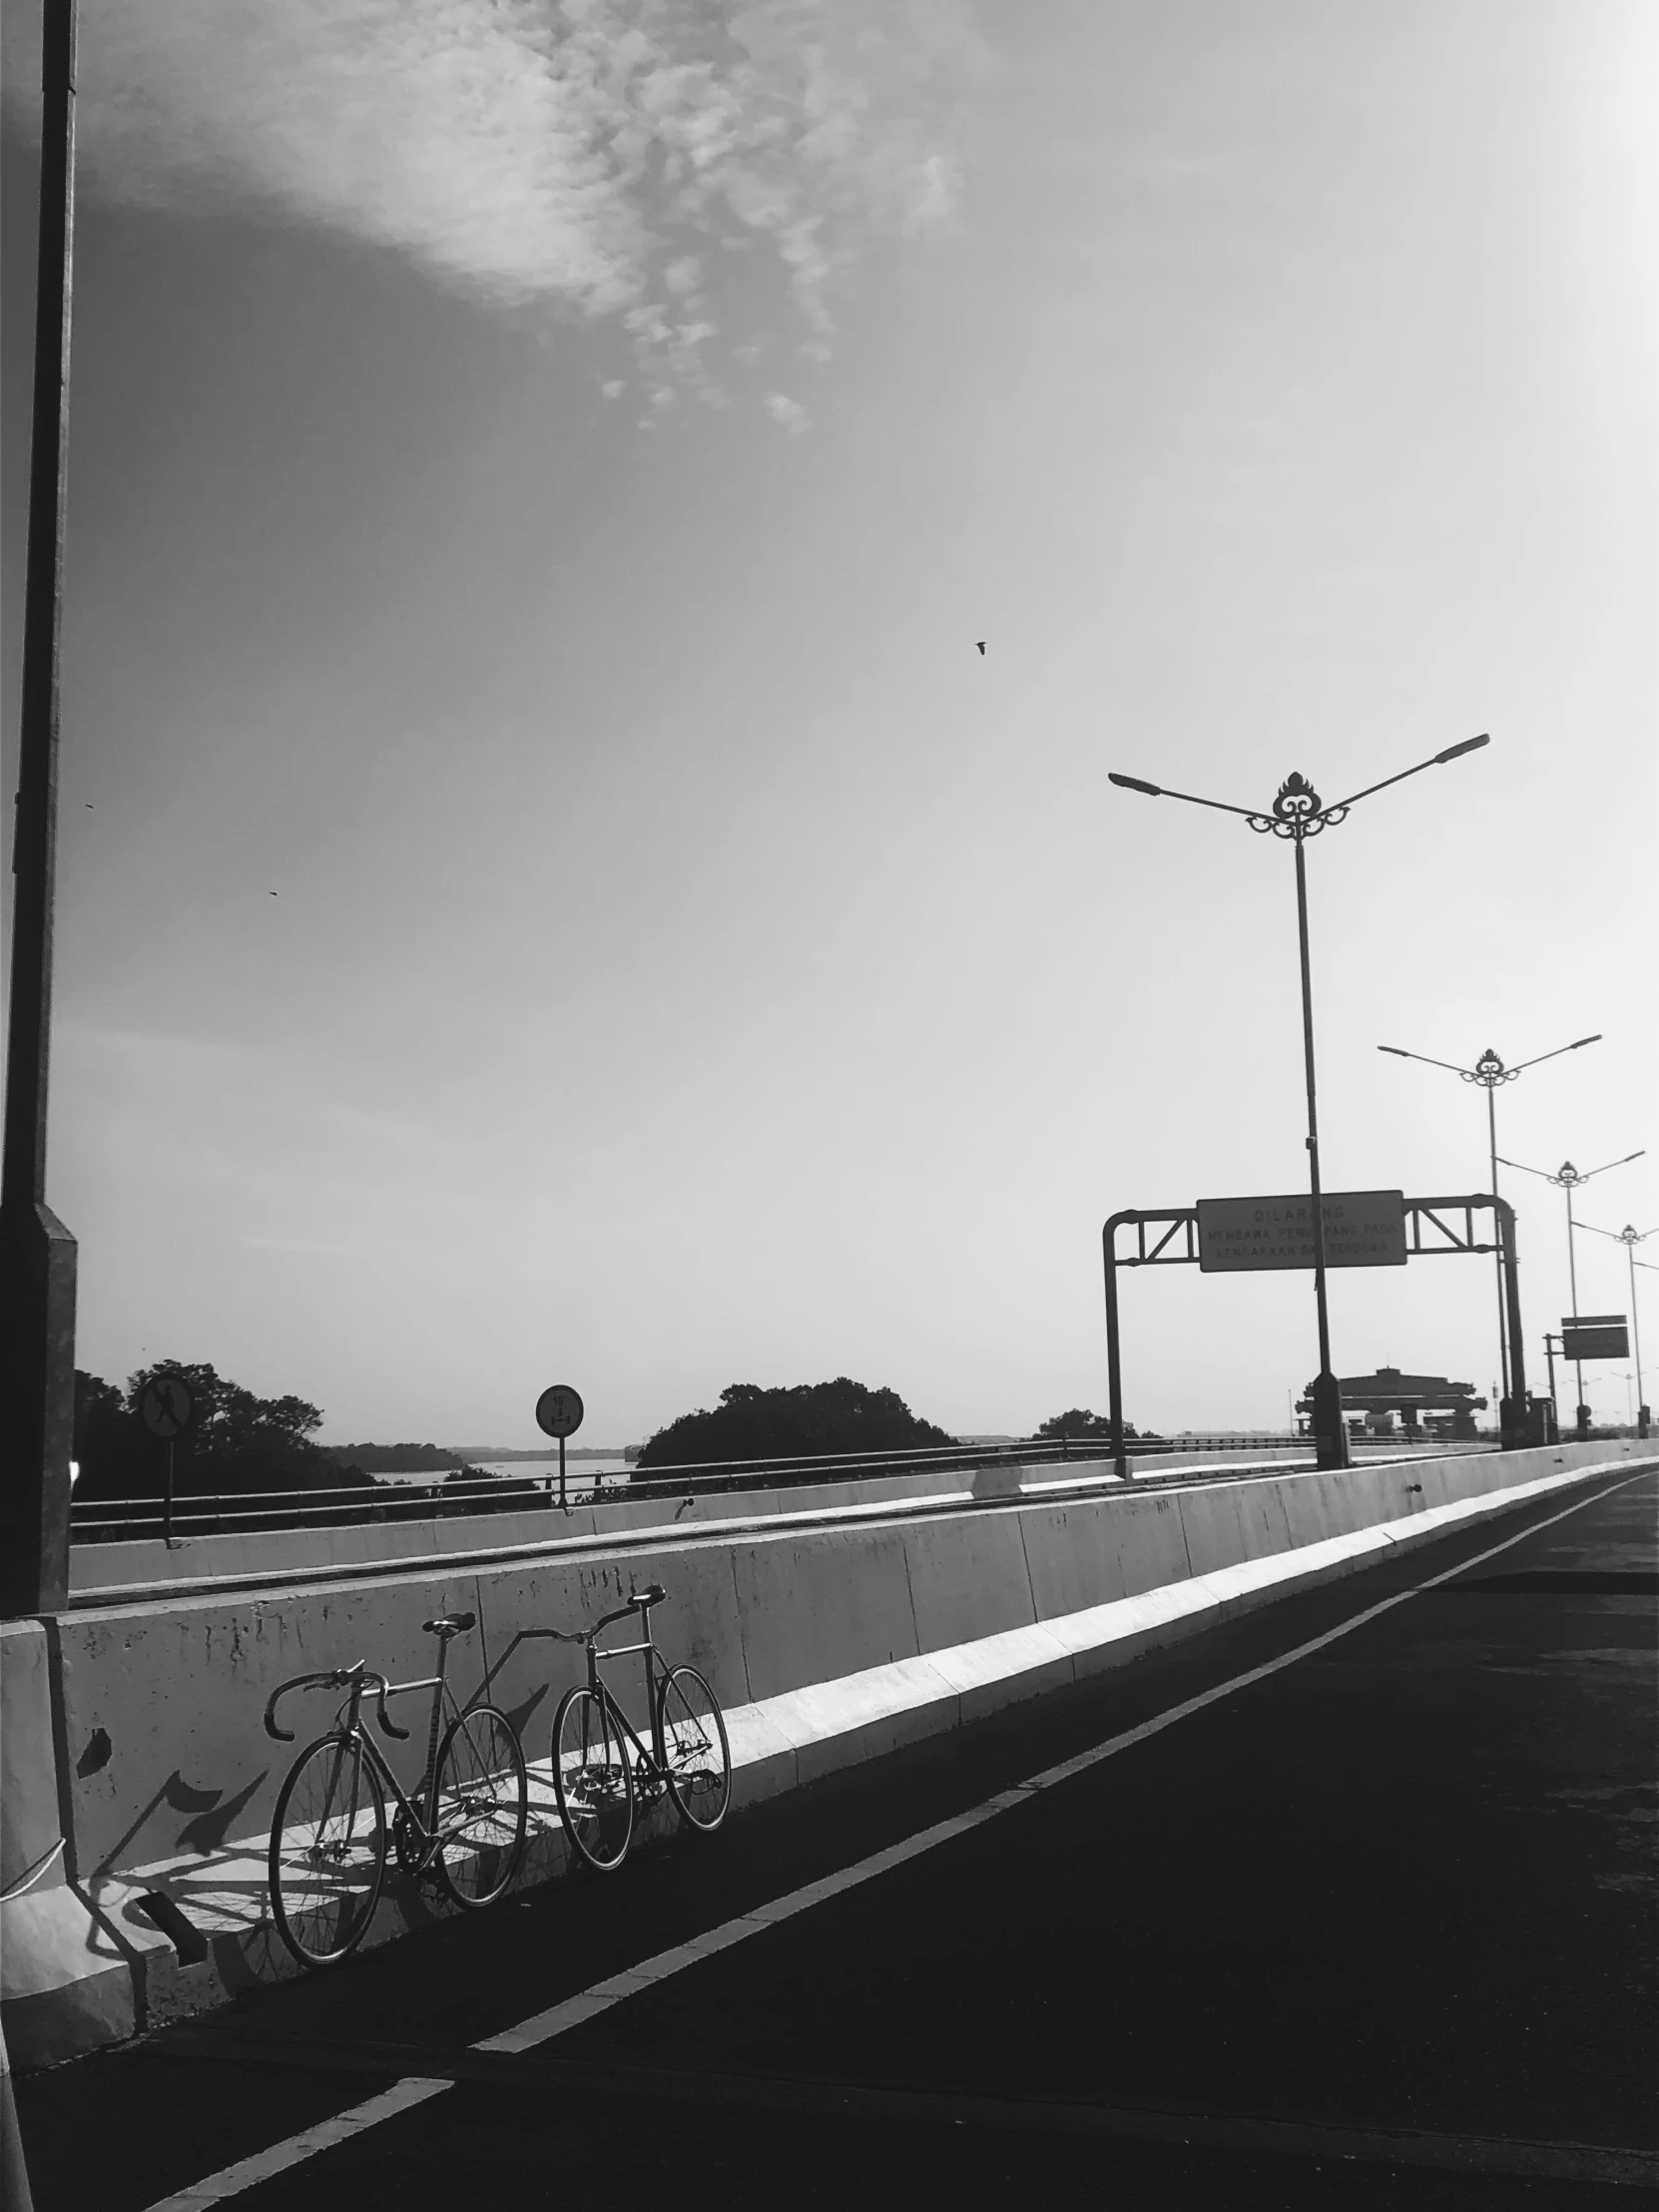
x,y
589,2003
247,2173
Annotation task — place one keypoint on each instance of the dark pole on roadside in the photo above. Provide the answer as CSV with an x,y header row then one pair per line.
x,y
37,1252
1328,1400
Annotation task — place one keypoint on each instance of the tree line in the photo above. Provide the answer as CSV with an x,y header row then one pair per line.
x,y
238,1440
814,1419
242,1442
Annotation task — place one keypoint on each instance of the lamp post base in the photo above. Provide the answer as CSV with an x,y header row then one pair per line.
x,y
1330,1433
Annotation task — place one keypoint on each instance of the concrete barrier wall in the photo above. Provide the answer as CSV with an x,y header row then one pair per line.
x,y
141,1733
162,1699
115,1565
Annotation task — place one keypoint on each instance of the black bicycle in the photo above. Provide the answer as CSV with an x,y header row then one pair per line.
x,y
463,1829
596,1780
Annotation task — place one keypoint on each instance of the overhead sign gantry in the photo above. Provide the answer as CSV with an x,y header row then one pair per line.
x,y
1362,1229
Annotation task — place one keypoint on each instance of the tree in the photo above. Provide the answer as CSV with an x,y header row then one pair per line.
x,y
1079,1421
236,1442
794,1423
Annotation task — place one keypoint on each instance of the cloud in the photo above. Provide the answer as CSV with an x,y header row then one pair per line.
x,y
787,411
581,153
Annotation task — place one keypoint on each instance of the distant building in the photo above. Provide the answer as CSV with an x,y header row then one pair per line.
x,y
1421,1402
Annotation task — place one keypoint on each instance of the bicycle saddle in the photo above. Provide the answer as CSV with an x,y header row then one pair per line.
x,y
451,1624
652,1594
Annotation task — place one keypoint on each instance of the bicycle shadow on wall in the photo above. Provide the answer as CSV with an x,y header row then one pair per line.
x,y
203,1834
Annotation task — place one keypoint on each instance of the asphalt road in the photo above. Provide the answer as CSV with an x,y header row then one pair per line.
x,y
1377,1927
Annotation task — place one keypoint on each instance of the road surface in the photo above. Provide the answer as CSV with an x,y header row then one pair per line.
x,y
1374,1925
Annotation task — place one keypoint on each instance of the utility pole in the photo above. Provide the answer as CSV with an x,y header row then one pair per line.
x,y
37,1252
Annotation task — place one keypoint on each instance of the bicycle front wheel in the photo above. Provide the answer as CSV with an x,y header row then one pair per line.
x,y
327,1850
593,1780
695,1746
482,1799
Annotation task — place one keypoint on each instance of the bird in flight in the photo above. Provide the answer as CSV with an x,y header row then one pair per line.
x,y
982,646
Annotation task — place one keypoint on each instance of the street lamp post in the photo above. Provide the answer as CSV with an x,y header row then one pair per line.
x,y
1568,1179
1488,1072
1298,813
1630,1239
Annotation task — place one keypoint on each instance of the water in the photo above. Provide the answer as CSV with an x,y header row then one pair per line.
x,y
580,1474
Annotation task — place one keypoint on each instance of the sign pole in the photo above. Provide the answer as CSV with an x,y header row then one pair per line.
x,y
167,1500
1512,1430
1114,1356
559,1412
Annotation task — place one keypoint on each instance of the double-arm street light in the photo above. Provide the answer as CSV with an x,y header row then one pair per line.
x,y
1568,1179
1489,1071
1630,1239
1298,813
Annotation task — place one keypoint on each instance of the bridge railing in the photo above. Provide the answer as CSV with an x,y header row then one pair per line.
x,y
200,1513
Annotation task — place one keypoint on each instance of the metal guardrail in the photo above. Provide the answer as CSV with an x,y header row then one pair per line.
x,y
254,1512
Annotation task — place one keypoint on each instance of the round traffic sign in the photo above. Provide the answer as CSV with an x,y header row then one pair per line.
x,y
559,1410
167,1405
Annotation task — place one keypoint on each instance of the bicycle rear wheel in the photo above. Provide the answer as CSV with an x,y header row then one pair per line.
x,y
593,1780
695,1746
482,1799
327,1850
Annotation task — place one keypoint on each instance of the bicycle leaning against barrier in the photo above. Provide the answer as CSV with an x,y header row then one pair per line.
x,y
595,1780
463,1829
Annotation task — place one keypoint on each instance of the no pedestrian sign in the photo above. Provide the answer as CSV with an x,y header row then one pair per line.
x,y
559,1410
1363,1229
166,1406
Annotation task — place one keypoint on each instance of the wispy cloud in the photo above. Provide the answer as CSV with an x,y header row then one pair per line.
x,y
604,155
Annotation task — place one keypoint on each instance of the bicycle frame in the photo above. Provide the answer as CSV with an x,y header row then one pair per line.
x,y
422,1809
656,1757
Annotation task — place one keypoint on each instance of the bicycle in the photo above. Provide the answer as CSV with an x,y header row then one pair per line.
x,y
463,1829
594,1779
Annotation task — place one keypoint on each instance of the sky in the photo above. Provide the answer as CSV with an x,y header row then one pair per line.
x,y
549,889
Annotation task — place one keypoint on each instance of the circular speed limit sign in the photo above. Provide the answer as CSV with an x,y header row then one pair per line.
x,y
559,1410
167,1405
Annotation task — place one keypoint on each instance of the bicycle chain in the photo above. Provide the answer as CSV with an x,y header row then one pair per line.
x,y
405,1843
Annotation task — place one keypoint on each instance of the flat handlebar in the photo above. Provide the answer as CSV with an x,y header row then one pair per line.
x,y
337,1678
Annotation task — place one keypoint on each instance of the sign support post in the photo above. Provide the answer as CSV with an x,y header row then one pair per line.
x,y
166,1407
559,1414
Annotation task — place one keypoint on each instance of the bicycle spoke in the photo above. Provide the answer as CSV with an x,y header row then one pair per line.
x,y
699,1772
593,1780
483,1797
327,1850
